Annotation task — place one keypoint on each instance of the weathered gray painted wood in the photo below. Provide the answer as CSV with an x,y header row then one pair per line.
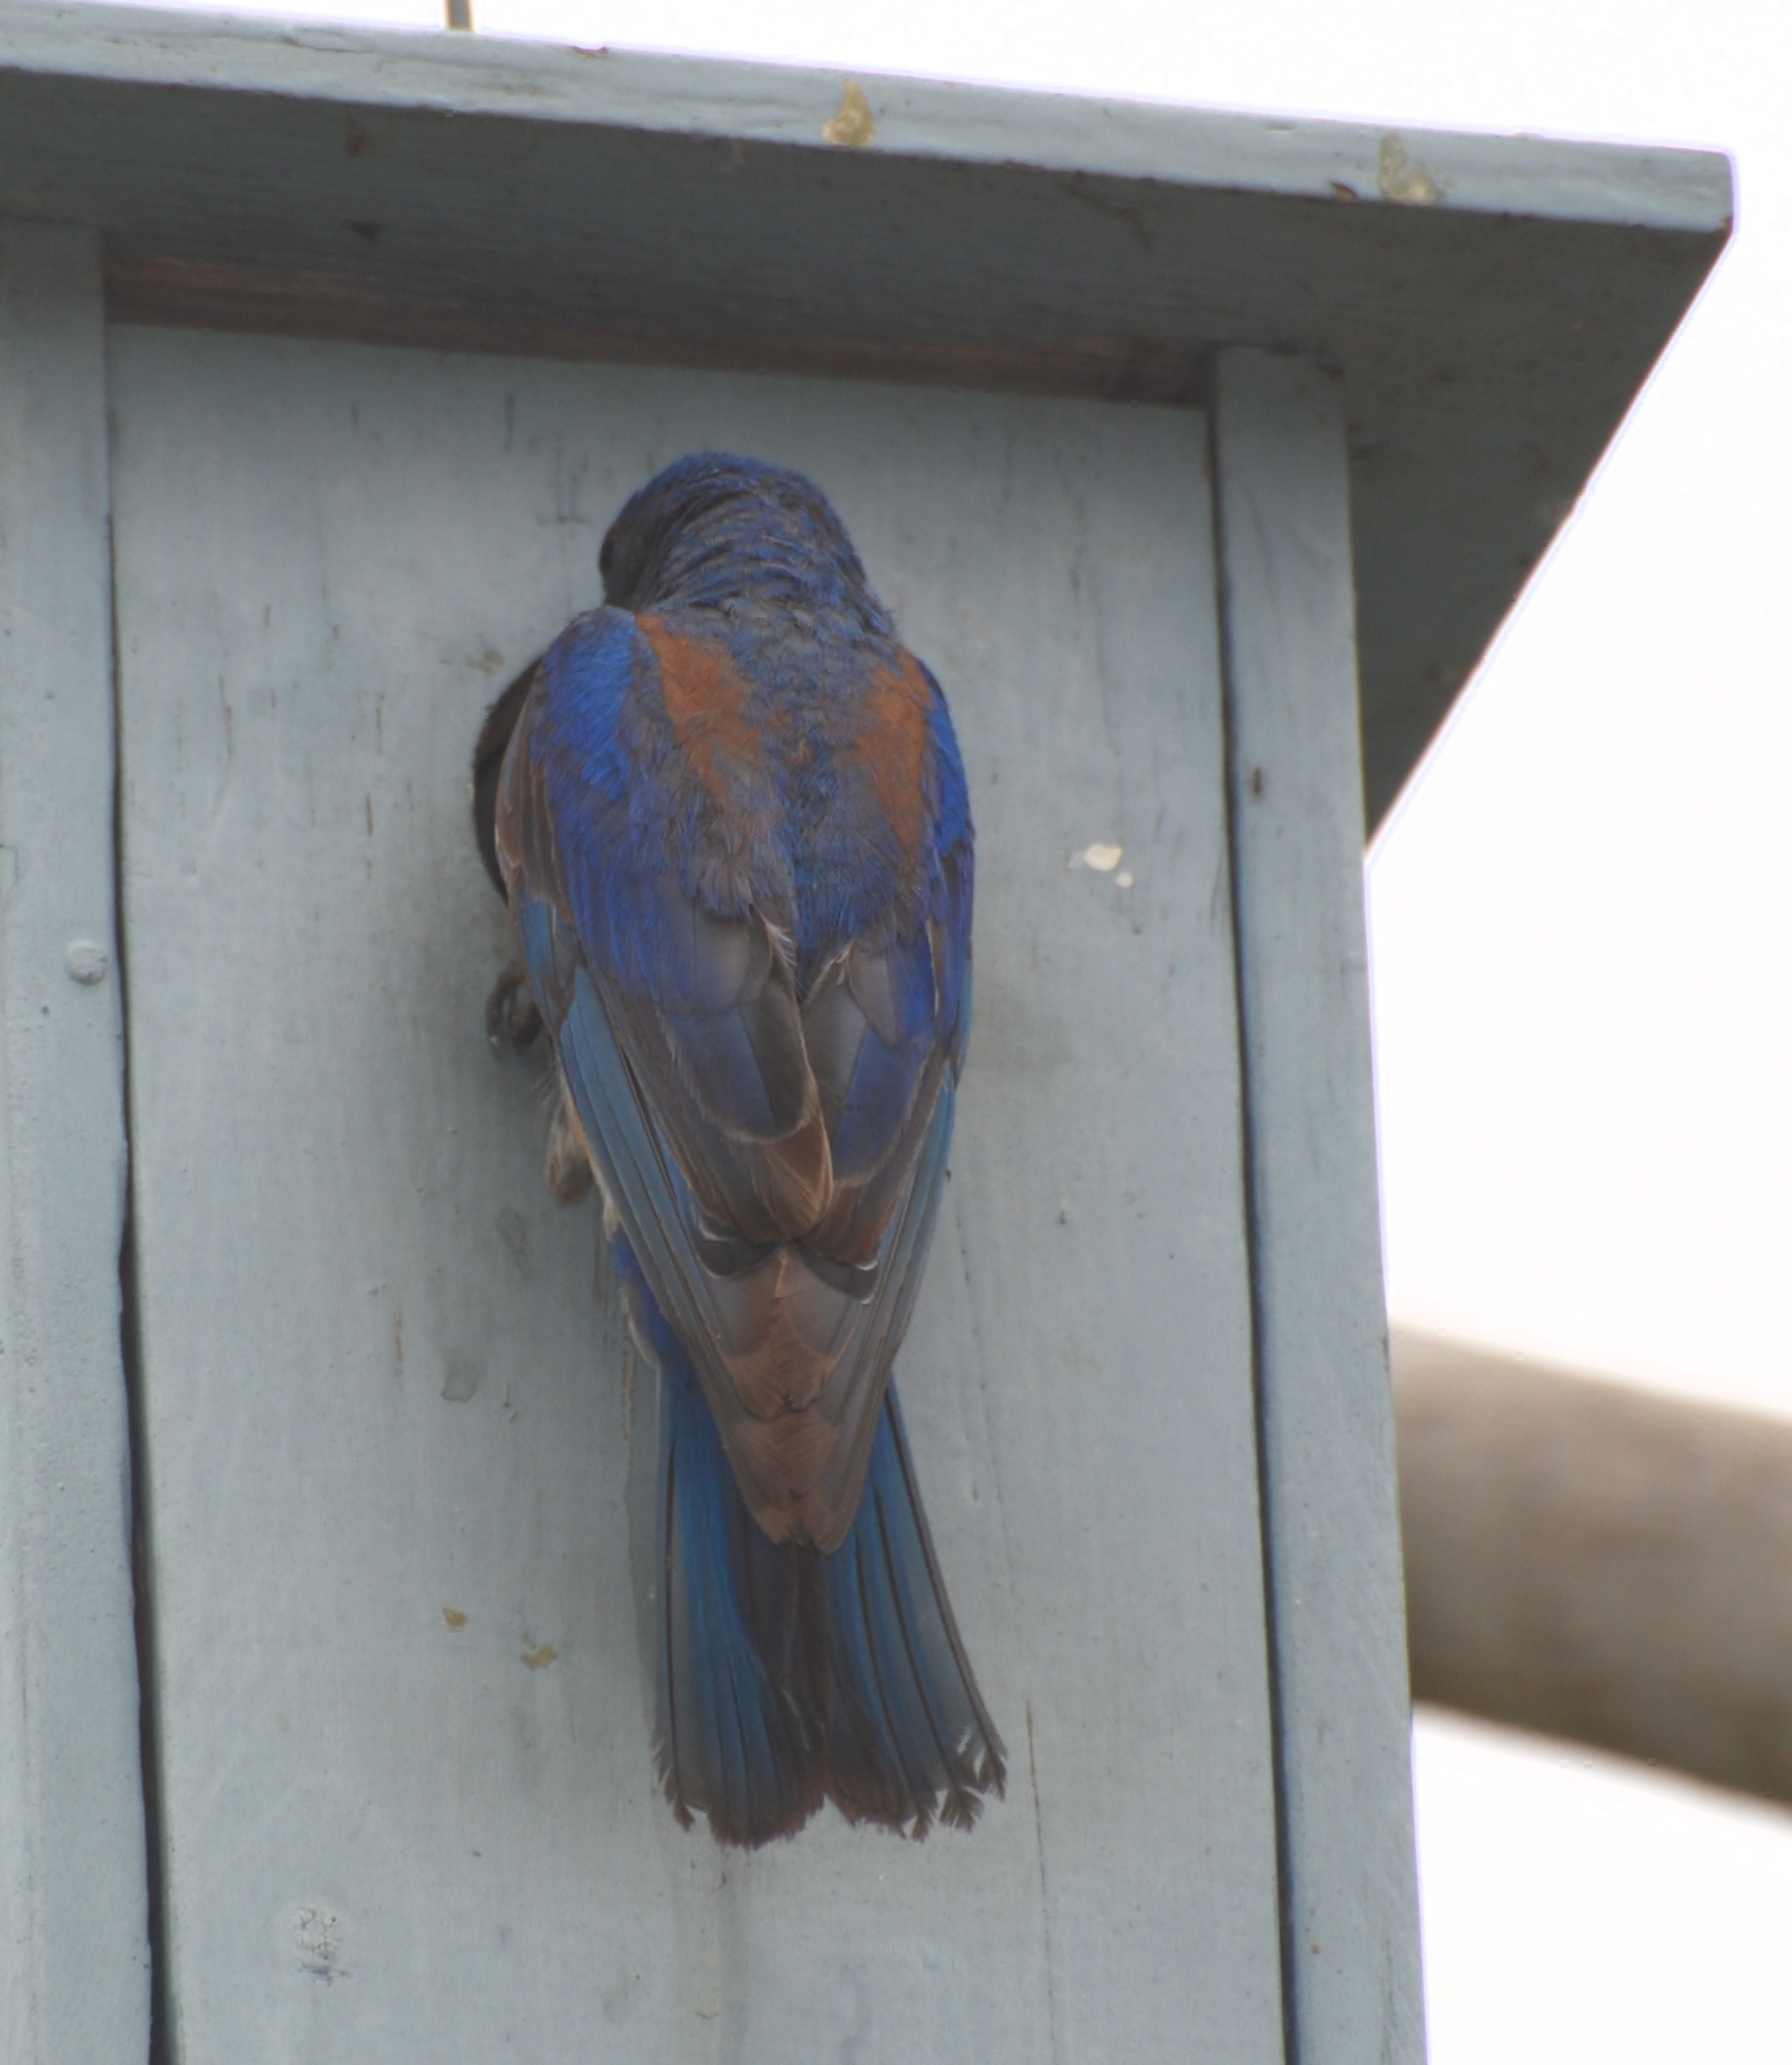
x,y
409,1804
1332,1525
790,104
1495,302
73,1947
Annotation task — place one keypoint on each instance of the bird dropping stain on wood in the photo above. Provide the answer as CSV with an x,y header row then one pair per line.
x,y
1104,855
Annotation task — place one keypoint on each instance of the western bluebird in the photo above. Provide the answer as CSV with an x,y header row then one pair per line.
x,y
730,817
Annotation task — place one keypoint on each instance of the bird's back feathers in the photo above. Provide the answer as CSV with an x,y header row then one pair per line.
x,y
733,827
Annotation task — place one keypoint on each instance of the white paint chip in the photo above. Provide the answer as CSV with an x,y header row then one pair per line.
x,y
1100,856
88,961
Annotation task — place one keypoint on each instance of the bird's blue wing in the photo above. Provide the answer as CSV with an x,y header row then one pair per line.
x,y
776,1166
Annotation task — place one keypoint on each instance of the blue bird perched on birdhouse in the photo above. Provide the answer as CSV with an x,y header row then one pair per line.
x,y
730,817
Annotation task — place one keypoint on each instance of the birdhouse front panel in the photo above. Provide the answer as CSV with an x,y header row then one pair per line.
x,y
399,1445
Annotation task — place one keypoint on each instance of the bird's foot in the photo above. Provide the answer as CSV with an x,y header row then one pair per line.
x,y
568,1167
511,1014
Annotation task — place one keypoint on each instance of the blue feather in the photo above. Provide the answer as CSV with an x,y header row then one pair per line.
x,y
741,875
897,1658
871,1699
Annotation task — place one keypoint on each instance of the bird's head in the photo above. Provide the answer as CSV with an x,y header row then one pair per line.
x,y
712,531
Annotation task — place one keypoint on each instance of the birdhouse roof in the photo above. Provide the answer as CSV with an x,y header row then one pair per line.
x,y
1493,303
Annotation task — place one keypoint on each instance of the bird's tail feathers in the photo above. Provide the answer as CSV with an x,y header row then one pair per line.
x,y
907,1734
786,1675
738,1733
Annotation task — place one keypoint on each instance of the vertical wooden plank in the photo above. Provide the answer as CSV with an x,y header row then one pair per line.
x,y
409,1801
1332,1535
73,1944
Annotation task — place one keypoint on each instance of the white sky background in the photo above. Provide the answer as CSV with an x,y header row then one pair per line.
x,y
1581,914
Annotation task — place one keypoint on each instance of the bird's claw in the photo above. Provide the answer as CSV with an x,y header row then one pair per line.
x,y
511,1014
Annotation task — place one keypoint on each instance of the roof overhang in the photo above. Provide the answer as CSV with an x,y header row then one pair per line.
x,y
1494,303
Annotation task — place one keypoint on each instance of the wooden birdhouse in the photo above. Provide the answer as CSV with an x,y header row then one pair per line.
x,y
1199,455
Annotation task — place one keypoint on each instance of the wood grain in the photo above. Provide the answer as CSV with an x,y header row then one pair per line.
x,y
409,1807
1495,302
73,1944
1350,1899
